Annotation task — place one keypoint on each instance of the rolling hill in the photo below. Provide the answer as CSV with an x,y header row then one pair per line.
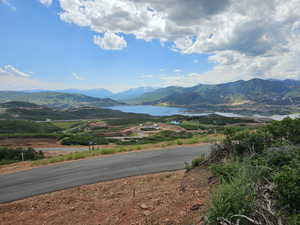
x,y
30,111
97,93
56,99
255,91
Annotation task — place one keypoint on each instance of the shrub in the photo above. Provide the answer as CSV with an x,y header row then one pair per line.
x,y
16,154
195,162
179,142
234,196
84,140
108,151
285,131
192,141
23,126
294,219
159,137
276,158
225,171
287,182
258,165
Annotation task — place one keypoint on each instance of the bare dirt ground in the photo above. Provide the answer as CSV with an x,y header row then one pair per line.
x,y
15,167
30,142
157,199
42,143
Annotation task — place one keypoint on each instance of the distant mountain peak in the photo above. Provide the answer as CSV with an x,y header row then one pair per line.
x,y
132,93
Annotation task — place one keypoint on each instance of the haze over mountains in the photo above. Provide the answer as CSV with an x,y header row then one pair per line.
x,y
104,93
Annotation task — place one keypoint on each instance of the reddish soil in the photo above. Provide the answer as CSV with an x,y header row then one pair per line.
x,y
165,126
158,199
30,142
39,143
15,167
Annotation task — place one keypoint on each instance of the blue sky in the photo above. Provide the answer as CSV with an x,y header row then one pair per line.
x,y
114,44
36,40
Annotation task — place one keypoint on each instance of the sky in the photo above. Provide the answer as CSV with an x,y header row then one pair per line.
x,y
122,44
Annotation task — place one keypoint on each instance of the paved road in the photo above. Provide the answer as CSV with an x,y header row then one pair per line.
x,y
64,149
66,175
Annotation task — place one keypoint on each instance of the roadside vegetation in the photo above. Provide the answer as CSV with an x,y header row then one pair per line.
x,y
84,140
8,155
259,176
23,126
213,138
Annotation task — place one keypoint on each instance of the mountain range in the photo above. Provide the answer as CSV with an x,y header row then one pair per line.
x,y
30,111
234,94
56,99
255,91
103,93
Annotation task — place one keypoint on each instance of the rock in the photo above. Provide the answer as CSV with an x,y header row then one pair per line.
x,y
144,206
147,213
196,207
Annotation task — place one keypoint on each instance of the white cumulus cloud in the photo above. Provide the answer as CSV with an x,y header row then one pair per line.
x,y
8,3
110,41
46,2
9,70
12,78
177,70
77,77
144,76
244,38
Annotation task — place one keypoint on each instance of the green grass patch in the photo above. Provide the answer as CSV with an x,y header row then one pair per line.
x,y
31,135
24,126
6,162
65,124
234,196
109,151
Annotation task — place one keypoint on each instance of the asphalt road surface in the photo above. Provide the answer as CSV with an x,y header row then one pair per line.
x,y
41,180
63,149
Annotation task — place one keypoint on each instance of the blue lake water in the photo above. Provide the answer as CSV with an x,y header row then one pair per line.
x,y
169,111
151,110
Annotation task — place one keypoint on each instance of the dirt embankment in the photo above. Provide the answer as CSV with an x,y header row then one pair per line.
x,y
172,198
29,142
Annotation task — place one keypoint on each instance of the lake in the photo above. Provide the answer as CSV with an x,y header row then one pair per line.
x,y
169,111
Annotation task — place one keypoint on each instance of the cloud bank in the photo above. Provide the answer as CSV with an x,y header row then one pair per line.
x,y
12,78
245,38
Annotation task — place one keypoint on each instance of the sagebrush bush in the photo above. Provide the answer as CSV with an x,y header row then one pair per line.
x,y
16,154
226,171
287,182
84,140
195,162
235,196
266,160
